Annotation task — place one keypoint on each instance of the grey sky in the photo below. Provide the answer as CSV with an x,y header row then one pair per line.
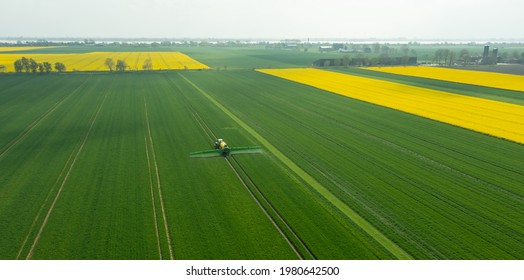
x,y
450,19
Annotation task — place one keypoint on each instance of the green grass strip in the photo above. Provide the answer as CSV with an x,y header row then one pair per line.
x,y
392,247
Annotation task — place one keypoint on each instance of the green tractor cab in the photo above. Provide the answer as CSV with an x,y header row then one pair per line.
x,y
223,150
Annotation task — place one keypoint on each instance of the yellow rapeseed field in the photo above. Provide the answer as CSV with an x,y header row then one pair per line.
x,y
499,119
480,78
12,49
94,61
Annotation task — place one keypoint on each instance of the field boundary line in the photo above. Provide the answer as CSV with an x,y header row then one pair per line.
x,y
9,146
159,186
64,181
366,226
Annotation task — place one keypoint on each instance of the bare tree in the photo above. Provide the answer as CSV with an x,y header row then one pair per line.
x,y
121,65
60,67
439,55
404,49
464,55
376,48
18,66
109,63
33,65
451,58
445,55
346,60
148,64
47,67
25,64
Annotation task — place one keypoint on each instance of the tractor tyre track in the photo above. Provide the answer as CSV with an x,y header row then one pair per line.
x,y
264,210
159,187
152,197
272,208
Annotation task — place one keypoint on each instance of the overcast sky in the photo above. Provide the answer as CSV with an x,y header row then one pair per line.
x,y
417,19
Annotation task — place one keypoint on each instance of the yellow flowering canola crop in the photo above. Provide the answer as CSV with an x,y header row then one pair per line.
x,y
480,78
496,118
95,61
12,49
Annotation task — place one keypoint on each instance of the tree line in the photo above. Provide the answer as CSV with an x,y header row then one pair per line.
x,y
450,57
121,65
366,61
464,57
30,65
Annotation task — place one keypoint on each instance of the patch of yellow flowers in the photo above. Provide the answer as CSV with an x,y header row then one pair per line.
x,y
487,79
95,61
12,49
499,119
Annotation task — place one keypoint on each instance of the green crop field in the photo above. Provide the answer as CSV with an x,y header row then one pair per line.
x,y
97,166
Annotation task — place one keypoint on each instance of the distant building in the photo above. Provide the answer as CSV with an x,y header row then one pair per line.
x,y
489,59
290,43
327,48
485,55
